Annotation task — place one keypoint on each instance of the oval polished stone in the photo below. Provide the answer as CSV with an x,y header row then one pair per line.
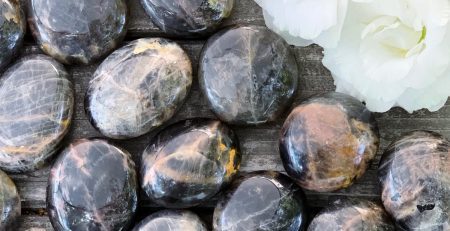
x,y
138,88
248,74
188,18
9,203
92,186
414,173
328,141
173,220
78,32
351,214
263,201
189,162
35,112
12,30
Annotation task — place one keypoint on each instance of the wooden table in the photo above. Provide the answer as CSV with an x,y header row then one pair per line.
x,y
259,144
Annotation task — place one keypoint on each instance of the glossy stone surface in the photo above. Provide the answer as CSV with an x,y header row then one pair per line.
x,y
9,203
188,18
12,30
328,141
92,186
414,173
348,214
189,162
35,112
248,74
263,201
173,220
138,88
78,32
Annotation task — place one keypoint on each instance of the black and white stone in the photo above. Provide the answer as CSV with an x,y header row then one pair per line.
x,y
138,88
78,32
9,203
189,162
92,186
415,181
351,214
248,74
188,18
173,220
12,30
35,112
263,201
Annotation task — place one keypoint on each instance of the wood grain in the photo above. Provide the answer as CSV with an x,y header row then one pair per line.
x,y
259,144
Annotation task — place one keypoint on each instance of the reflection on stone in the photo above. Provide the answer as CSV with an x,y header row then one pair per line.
x,y
328,141
263,201
188,18
189,162
35,112
92,186
78,32
12,30
414,173
173,220
138,88
348,214
9,203
248,74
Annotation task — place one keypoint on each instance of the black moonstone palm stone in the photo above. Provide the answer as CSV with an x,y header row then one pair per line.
x,y
92,186
36,108
328,141
188,18
248,74
138,88
189,162
9,203
78,32
414,173
12,30
173,220
263,201
351,214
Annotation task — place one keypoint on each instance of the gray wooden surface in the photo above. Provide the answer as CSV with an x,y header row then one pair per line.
x,y
259,144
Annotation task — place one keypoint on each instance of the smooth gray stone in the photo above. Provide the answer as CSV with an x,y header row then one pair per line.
x,y
173,220
414,172
36,110
12,30
248,74
188,18
9,203
138,88
78,32
92,186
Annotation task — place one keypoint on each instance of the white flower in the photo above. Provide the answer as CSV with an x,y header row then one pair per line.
x,y
394,53
303,22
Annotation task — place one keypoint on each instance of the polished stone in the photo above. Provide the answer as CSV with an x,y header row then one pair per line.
x,y
92,186
263,201
248,74
9,203
173,220
12,30
78,32
351,214
414,173
189,162
188,18
328,142
138,88
35,112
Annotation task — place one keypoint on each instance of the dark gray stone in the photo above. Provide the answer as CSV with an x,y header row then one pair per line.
x,y
138,88
35,112
248,74
12,29
78,32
